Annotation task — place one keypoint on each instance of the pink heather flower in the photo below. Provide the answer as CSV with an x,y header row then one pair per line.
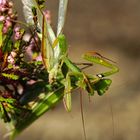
x,y
39,57
8,23
2,9
47,14
18,34
5,30
3,5
11,57
17,29
2,18
3,2
6,14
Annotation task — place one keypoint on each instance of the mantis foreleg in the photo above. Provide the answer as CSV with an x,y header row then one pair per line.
x,y
101,61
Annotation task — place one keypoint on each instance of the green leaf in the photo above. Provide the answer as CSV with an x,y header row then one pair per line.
x,y
7,42
10,76
44,105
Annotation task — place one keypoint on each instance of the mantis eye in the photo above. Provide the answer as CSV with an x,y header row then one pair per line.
x,y
100,75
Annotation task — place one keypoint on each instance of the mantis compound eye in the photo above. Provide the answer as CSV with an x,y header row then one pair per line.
x,y
100,75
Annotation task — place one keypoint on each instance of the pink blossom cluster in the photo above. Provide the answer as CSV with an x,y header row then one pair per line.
x,y
6,14
33,47
18,34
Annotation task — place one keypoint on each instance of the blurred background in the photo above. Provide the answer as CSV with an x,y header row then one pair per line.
x,y
112,28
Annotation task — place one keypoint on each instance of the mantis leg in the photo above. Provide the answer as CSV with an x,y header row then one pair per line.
x,y
85,65
101,61
67,93
82,82
73,70
95,82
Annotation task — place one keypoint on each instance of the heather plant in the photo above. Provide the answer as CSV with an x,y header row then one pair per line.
x,y
36,73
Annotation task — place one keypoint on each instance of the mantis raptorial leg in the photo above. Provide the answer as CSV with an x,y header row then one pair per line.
x,y
85,65
90,56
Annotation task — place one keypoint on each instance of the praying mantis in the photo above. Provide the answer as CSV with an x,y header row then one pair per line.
x,y
62,72
54,51
56,56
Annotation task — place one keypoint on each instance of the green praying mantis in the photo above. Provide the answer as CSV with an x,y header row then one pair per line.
x,y
55,58
54,50
63,74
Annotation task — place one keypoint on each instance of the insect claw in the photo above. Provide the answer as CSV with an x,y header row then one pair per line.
x,y
98,54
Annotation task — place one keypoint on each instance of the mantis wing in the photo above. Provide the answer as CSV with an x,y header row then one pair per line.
x,y
61,15
28,13
61,20
49,30
46,49
27,10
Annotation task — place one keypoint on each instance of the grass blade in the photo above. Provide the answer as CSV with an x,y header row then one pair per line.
x,y
44,105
